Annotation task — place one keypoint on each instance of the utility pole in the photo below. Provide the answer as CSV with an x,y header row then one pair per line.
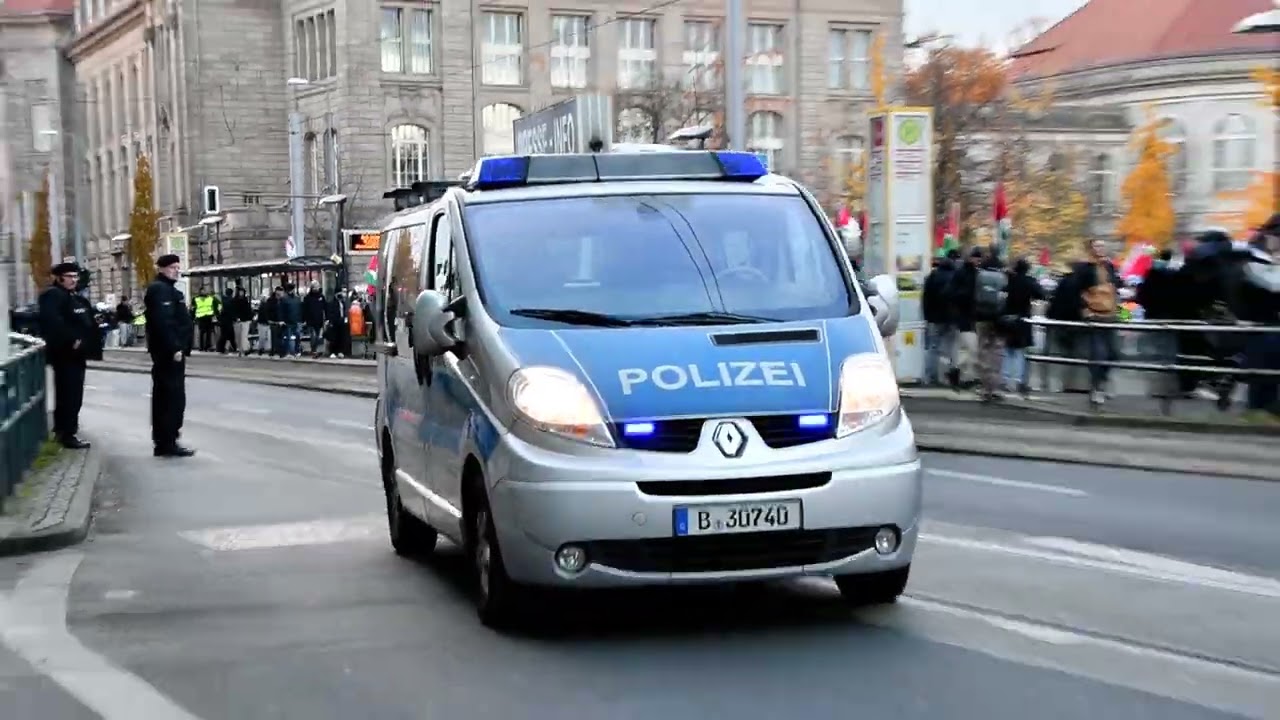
x,y
735,105
297,223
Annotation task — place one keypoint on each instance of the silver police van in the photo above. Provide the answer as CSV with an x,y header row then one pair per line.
x,y
605,370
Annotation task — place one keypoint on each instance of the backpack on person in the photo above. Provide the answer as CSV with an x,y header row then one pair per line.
x,y
989,292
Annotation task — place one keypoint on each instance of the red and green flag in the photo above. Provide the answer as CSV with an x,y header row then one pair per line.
x,y
1004,226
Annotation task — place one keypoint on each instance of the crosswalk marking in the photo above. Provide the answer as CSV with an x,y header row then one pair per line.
x,y
292,534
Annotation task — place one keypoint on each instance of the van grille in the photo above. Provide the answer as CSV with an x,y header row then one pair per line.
x,y
681,436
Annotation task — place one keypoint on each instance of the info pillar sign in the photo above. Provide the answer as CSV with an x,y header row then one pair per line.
x,y
176,243
899,235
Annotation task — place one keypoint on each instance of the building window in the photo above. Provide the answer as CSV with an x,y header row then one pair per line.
x,y
315,45
499,135
1173,133
1233,153
848,59
764,135
409,155
701,55
502,49
42,128
1101,184
570,53
406,40
637,53
764,59
331,161
311,158
635,126
846,158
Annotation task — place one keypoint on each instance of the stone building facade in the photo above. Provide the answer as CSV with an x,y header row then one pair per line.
x,y
36,110
397,91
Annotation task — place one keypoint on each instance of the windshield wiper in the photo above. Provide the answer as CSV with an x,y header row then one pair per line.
x,y
711,317
573,317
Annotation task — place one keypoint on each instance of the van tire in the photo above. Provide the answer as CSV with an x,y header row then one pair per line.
x,y
500,601
881,588
410,536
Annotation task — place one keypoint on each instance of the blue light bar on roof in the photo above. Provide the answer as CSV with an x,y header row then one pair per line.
x,y
493,173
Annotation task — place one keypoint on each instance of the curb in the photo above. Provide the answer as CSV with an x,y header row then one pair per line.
x,y
206,375
75,527
1075,418
1066,455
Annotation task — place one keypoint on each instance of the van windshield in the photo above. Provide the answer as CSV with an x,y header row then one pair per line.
x,y
616,260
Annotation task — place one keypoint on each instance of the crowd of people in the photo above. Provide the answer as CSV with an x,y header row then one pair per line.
x,y
977,309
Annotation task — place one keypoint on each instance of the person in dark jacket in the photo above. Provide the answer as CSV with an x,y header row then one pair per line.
x,y
313,315
169,344
937,309
227,315
71,338
242,315
339,324
961,293
124,321
1023,290
291,320
272,315
1160,294
1098,284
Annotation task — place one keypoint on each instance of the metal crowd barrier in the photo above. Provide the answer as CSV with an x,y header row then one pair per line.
x,y
24,420
1152,347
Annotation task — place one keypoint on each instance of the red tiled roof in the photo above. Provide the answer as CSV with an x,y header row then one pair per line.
x,y
1111,32
37,7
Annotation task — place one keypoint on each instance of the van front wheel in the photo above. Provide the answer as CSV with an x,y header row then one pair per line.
x,y
410,536
499,599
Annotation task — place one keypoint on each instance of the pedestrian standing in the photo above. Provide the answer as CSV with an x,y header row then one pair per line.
x,y
71,338
243,312
991,288
169,343
124,320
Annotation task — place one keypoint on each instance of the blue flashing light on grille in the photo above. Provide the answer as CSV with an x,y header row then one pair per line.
x,y
500,172
813,422
638,429
741,165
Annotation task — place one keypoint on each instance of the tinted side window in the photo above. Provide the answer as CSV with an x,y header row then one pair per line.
x,y
405,267
441,263
384,303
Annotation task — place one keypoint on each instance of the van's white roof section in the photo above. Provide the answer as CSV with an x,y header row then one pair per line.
x,y
768,185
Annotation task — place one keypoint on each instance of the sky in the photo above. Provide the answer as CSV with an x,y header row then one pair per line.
x,y
988,22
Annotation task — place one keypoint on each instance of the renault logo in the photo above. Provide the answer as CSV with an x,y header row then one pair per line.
x,y
729,439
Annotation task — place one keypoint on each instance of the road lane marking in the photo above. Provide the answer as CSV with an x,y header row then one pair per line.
x,y
33,625
1201,577
1136,558
352,424
283,535
1004,482
245,409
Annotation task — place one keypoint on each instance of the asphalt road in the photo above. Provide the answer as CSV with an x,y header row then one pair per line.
x,y
255,581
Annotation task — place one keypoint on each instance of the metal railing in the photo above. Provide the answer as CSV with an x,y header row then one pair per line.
x,y
1153,353
24,420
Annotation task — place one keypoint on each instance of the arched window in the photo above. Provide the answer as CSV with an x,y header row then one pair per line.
x,y
635,126
499,135
1234,139
1101,183
764,135
1172,132
410,155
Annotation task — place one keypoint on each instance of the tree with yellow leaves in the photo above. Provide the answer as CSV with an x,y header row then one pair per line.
x,y
879,75
1049,210
1149,216
40,244
1254,205
1270,80
144,231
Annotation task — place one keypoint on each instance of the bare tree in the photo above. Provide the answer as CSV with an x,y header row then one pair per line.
x,y
665,104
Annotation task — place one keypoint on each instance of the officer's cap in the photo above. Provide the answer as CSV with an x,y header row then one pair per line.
x,y
167,261
66,268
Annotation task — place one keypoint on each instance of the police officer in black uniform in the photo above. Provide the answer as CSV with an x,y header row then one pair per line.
x,y
169,332
71,337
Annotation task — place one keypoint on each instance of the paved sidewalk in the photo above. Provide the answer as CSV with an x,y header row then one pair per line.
x,y
53,507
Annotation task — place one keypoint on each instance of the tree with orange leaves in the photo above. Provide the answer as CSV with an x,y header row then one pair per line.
x,y
1253,205
1149,216
967,89
1270,81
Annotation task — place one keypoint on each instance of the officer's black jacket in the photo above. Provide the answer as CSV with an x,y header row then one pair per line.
x,y
66,318
168,322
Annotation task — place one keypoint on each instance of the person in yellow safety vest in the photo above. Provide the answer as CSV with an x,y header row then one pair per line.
x,y
206,309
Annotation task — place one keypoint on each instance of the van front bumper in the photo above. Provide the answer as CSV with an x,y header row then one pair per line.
x,y
606,504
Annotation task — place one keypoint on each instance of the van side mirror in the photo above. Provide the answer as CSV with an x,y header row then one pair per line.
x,y
431,314
884,304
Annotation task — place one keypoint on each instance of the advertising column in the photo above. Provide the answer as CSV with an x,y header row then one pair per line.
x,y
900,202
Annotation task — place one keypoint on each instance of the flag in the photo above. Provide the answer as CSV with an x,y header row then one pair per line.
x,y
950,231
371,275
1044,257
1004,226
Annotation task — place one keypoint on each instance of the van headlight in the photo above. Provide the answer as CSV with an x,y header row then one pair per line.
x,y
554,401
868,392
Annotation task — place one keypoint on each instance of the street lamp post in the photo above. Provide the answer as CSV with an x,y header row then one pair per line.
x,y
75,192
123,239
215,222
338,242
297,223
